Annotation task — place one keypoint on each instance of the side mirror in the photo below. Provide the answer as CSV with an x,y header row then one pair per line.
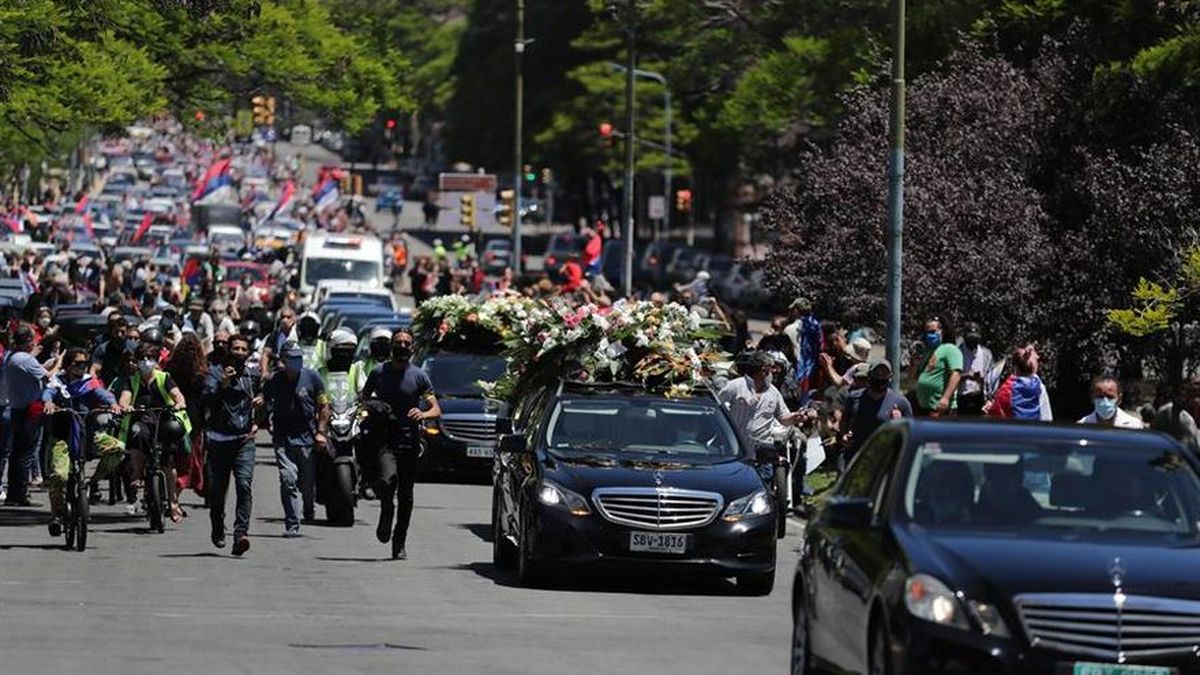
x,y
848,513
513,444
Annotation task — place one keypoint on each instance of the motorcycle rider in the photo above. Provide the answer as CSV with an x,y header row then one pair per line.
x,y
404,387
308,330
379,351
367,445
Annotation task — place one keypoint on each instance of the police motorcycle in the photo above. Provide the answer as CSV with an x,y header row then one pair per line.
x,y
336,471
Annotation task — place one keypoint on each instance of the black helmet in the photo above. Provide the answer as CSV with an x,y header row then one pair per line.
x,y
249,328
153,336
309,325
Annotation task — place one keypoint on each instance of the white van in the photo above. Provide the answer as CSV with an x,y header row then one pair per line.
x,y
346,257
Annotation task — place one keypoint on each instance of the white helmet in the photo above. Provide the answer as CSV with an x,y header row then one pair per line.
x,y
379,334
342,338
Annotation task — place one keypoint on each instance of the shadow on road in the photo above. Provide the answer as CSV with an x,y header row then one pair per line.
x,y
361,560
481,530
205,554
358,647
33,547
314,523
615,581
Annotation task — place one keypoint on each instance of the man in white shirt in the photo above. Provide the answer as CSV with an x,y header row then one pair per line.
x,y
1106,397
977,363
754,404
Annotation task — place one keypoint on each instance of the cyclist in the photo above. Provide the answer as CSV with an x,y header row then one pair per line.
x,y
77,390
151,387
754,404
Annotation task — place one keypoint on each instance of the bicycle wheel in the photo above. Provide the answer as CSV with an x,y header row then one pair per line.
x,y
69,513
154,502
82,507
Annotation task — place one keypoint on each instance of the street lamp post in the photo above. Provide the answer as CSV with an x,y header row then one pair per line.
x,y
668,171
519,52
895,225
630,139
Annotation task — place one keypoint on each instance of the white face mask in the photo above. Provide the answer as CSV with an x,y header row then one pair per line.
x,y
146,366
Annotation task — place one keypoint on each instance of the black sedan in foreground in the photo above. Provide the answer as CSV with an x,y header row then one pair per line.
x,y
616,476
958,547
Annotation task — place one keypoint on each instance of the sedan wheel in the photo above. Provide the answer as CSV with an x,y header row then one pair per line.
x,y
530,571
800,653
504,554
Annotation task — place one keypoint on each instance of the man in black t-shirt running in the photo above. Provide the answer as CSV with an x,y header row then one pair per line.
x,y
404,387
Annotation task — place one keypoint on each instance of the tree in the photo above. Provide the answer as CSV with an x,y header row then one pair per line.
x,y
976,241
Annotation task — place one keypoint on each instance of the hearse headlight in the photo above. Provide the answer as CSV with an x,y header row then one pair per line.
x,y
754,504
989,619
928,598
554,495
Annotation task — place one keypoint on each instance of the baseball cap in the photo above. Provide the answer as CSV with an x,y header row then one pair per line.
x,y
859,349
876,364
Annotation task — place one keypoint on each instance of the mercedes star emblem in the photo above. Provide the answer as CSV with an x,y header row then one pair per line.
x,y
658,478
1117,572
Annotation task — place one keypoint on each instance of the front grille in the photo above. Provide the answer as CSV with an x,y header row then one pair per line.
x,y
658,508
1117,627
473,431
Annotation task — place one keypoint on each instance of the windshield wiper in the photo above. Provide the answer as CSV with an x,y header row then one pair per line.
x,y
592,460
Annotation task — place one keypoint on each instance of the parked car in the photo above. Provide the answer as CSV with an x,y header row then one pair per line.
x,y
260,275
596,475
651,268
681,267
968,547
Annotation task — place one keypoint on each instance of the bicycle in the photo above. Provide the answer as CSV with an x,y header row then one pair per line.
x,y
76,504
154,479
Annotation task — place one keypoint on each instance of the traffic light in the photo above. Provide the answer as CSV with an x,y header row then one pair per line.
x,y
606,133
508,204
683,200
530,176
264,110
466,209
391,124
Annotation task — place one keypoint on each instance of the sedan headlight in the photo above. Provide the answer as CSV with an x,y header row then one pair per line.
x,y
754,504
554,495
931,600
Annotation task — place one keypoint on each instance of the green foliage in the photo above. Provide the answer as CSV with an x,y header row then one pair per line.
x,y
1156,306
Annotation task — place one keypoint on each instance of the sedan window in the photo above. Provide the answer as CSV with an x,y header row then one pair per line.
x,y
862,478
645,427
1053,486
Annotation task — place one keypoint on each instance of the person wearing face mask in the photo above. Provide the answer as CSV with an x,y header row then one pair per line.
x,y
200,322
151,387
977,364
230,402
379,347
1106,399
406,388
872,406
298,410
285,331
938,371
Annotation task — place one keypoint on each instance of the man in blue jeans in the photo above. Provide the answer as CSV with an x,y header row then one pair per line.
x,y
26,380
299,412
230,401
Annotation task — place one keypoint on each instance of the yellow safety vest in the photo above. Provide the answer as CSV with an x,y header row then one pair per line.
x,y
160,379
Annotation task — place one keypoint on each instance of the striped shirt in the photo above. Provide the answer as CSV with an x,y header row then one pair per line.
x,y
753,413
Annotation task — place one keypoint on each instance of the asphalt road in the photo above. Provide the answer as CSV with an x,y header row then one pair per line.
x,y
333,601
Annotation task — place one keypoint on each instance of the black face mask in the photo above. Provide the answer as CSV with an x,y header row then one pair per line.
x,y
971,341
879,385
401,353
380,352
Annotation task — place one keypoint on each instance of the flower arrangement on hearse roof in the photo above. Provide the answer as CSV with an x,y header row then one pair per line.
x,y
660,346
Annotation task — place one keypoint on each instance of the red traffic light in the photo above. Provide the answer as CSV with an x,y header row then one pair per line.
x,y
391,124
606,130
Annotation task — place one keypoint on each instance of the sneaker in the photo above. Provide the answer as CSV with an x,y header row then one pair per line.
x,y
135,509
3,494
398,552
55,527
292,534
242,544
218,539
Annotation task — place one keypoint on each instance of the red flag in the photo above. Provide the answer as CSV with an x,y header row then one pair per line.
x,y
87,224
82,205
14,224
143,227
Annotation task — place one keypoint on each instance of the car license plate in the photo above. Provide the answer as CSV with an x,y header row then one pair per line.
x,y
480,452
658,542
1085,668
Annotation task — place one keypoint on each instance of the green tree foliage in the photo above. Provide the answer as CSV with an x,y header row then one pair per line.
x,y
70,66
